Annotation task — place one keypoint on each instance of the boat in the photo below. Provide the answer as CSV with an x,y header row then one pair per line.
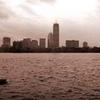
x,y
3,81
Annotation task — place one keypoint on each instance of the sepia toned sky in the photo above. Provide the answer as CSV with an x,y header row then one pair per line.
x,y
78,19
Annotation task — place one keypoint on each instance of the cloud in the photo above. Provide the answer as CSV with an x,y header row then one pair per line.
x,y
32,1
48,1
45,1
29,10
5,12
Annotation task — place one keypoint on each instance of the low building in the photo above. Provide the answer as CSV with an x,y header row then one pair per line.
x,y
34,44
17,45
72,43
26,43
6,42
42,43
85,44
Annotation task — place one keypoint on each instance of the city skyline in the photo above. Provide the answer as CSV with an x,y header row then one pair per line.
x,y
34,18
51,41
49,44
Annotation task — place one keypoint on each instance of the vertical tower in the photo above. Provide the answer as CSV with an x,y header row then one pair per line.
x,y
50,40
56,35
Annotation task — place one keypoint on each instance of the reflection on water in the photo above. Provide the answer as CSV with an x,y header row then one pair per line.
x,y
50,76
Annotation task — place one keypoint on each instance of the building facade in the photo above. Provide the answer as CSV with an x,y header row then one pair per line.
x,y
17,45
42,43
85,44
6,42
72,43
34,44
50,40
26,43
56,35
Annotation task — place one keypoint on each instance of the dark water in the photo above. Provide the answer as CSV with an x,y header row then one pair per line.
x,y
50,76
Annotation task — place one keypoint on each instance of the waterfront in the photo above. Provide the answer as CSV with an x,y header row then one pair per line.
x,y
54,76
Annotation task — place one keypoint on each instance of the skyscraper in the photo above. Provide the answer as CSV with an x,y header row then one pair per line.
x,y
56,35
50,40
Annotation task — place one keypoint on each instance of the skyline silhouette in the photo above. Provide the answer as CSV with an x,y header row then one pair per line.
x,y
52,40
27,18
49,44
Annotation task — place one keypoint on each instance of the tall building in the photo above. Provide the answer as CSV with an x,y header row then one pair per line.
x,y
42,43
34,44
56,35
50,40
6,42
85,44
72,43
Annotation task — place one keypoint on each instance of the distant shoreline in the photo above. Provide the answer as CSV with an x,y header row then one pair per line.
x,y
47,52
51,50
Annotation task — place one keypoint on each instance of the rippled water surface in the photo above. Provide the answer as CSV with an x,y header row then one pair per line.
x,y
50,76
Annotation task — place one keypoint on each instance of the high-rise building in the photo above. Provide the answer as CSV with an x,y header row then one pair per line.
x,y
72,43
42,43
50,40
34,44
56,35
85,44
6,42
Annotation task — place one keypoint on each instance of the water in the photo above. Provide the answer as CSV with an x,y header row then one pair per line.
x,y
50,76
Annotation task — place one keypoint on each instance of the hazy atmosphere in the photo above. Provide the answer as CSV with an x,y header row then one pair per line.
x,y
78,19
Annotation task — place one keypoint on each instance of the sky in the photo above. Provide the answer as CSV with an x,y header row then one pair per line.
x,y
78,19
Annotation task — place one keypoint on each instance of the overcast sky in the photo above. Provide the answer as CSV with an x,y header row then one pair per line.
x,y
78,19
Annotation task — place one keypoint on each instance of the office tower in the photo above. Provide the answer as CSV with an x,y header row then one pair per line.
x,y
50,40
56,35
6,42
42,43
85,44
72,44
26,43
34,44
